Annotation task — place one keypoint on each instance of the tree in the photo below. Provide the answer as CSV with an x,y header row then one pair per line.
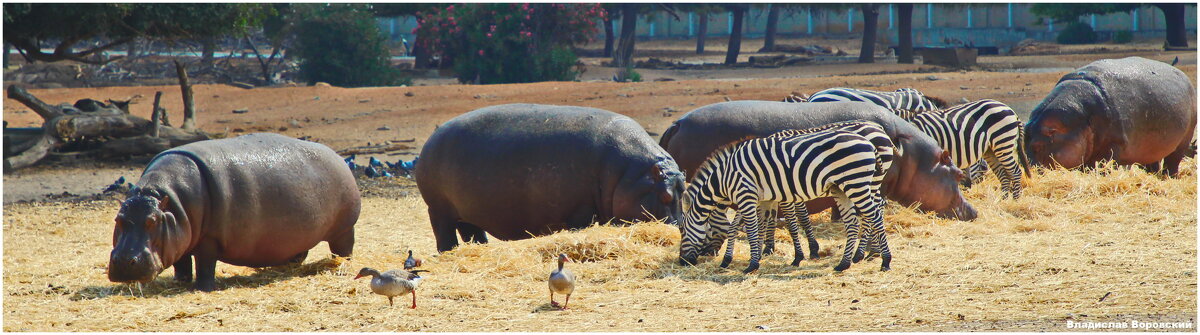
x,y
1066,13
341,45
26,28
735,36
702,12
904,29
772,28
870,27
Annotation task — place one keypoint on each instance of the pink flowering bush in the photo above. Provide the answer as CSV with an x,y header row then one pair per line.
x,y
493,43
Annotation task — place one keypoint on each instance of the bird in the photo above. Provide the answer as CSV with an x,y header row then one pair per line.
x,y
562,281
1176,61
393,283
115,186
350,159
371,172
411,262
376,162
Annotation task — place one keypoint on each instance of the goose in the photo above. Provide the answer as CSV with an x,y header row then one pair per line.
x,y
562,281
393,283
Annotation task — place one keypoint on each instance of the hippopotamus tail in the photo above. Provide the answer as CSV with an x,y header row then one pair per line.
x,y
1022,156
666,136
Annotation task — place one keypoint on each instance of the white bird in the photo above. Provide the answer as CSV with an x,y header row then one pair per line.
x,y
393,283
562,281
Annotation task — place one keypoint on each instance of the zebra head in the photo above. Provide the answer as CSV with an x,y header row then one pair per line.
x,y
699,202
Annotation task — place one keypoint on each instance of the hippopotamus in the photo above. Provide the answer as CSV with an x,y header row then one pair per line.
x,y
922,172
523,170
255,200
1131,110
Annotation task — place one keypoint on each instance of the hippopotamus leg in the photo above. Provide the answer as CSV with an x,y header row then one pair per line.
x,y
444,223
342,245
1171,162
183,269
471,233
299,259
206,266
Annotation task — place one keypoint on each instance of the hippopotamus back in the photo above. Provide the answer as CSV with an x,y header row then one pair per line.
x,y
523,170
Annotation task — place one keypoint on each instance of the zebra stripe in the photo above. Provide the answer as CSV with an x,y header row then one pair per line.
x,y
978,134
796,98
904,98
885,150
782,170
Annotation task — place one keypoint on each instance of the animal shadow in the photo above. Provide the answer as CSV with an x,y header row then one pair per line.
x,y
166,286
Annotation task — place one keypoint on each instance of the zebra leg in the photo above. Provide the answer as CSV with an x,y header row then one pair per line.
x,y
1008,169
770,213
728,252
978,171
806,223
789,213
846,208
748,212
719,227
872,215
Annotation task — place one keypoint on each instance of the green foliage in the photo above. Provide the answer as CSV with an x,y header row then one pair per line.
x,y
634,76
341,45
492,43
1077,33
1068,12
1122,37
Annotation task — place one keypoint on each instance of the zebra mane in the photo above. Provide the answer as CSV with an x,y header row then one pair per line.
x,y
824,127
721,151
939,102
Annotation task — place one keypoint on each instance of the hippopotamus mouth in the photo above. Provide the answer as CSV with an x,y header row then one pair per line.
x,y
141,267
961,210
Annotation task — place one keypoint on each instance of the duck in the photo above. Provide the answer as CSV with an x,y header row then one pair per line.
x,y
411,262
562,281
393,283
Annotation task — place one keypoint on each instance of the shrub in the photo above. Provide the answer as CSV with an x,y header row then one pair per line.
x,y
509,43
1123,37
341,45
1077,33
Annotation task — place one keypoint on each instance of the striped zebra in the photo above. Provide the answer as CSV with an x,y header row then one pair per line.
x,y
785,170
978,134
904,98
796,98
885,151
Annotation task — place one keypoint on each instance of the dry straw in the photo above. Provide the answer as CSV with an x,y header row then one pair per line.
x,y
1075,237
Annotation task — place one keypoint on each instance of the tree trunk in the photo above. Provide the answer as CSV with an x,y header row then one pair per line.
x,y
870,26
7,49
772,29
208,45
189,106
701,33
608,36
155,115
905,53
420,53
1176,25
623,57
735,37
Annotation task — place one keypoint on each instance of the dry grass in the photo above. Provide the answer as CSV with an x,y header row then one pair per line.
x,y
1073,238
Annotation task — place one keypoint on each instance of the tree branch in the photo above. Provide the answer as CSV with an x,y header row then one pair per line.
x,y
43,109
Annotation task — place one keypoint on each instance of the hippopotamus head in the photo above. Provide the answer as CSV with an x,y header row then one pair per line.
x,y
930,179
147,238
1061,129
654,194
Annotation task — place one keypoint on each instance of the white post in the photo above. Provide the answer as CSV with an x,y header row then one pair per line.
x,y
730,21
1050,26
1093,21
691,24
651,28
891,18
1135,18
1010,20
809,26
969,23
929,15
850,20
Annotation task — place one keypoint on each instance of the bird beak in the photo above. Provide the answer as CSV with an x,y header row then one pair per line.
x,y
358,276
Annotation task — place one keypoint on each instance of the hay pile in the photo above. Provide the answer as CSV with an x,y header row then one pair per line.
x,y
1074,238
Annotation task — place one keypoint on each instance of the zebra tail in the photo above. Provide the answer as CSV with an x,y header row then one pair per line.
x,y
668,134
1021,154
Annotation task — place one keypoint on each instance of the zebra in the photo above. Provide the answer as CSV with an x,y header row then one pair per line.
x,y
783,170
978,134
904,98
796,97
886,151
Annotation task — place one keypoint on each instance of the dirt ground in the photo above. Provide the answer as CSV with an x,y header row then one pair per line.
x,y
1008,272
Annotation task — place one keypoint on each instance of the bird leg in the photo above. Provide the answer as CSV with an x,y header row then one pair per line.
x,y
564,306
414,294
552,302
390,301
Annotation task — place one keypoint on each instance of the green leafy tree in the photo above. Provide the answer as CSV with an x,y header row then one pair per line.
x,y
29,26
1174,13
341,45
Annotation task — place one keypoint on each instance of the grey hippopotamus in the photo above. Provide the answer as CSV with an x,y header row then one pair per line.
x,y
523,170
1131,110
254,200
922,172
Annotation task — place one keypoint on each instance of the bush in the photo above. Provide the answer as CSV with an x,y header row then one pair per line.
x,y
341,45
1122,37
509,43
1077,33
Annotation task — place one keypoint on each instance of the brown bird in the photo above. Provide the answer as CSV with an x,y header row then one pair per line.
x,y
393,283
411,262
562,281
